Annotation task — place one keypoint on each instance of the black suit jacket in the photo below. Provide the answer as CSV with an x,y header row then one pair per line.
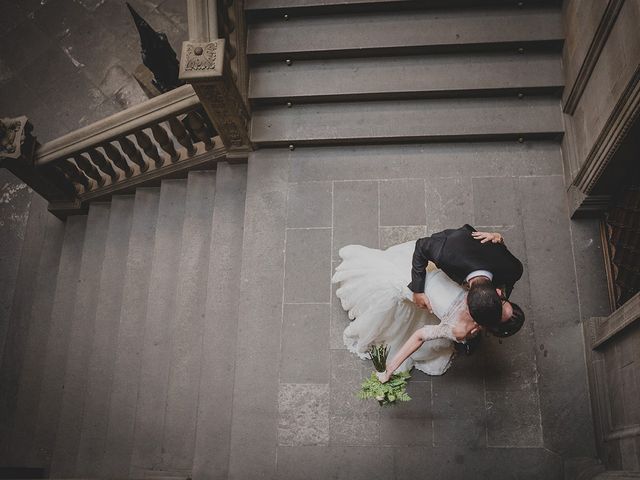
x,y
458,254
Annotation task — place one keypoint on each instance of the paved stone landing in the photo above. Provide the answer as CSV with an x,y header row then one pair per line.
x,y
500,413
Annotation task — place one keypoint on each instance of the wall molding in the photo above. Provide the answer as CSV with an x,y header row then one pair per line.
x,y
613,133
607,21
607,327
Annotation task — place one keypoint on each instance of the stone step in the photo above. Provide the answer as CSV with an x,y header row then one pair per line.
x,y
187,325
260,9
407,120
424,76
81,334
28,395
57,344
394,33
220,325
161,304
18,321
114,460
103,350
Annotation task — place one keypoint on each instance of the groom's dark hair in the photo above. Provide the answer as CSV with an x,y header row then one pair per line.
x,y
484,302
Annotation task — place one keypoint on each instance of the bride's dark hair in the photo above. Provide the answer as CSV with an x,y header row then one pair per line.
x,y
511,326
484,303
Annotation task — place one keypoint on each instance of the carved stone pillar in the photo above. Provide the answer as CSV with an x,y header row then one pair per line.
x,y
204,66
17,147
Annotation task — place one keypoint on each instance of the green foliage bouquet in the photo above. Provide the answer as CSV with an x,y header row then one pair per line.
x,y
385,393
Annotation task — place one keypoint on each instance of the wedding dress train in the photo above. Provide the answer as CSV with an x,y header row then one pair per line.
x,y
373,290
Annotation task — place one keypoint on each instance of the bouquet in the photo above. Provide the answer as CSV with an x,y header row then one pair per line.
x,y
385,393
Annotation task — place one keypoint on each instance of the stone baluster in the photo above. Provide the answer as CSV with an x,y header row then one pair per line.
x,y
148,147
199,129
89,169
118,160
203,66
181,134
74,174
131,151
103,164
160,135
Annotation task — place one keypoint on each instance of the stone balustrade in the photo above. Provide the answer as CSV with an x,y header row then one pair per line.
x,y
138,146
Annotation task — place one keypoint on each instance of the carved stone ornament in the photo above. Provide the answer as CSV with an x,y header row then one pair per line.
x,y
201,60
12,136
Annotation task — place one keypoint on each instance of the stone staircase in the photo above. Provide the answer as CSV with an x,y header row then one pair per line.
x,y
326,73
124,320
115,316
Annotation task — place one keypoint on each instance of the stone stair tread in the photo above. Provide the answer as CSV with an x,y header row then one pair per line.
x,y
388,32
273,7
402,77
187,324
114,462
221,322
28,393
406,120
154,366
81,336
102,352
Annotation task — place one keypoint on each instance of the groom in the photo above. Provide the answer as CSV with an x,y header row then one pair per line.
x,y
480,261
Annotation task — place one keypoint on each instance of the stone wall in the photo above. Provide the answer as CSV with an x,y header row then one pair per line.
x,y
602,89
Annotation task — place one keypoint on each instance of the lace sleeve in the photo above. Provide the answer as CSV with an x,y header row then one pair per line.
x,y
443,330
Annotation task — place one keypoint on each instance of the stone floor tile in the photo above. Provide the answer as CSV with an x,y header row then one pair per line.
x,y
470,432
554,312
402,202
356,429
58,18
339,318
449,203
510,363
418,408
495,201
339,463
175,10
50,71
303,414
433,161
27,43
590,273
355,214
513,418
309,204
307,266
406,431
305,344
390,236
347,375
12,15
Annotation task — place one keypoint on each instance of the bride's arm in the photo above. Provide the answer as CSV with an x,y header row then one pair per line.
x,y
428,332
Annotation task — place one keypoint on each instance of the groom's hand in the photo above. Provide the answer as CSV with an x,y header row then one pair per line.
x,y
485,237
421,300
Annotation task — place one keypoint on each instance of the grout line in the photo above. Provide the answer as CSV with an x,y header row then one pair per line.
x,y
306,303
307,228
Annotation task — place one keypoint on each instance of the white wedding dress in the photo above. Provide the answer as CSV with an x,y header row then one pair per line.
x,y
373,290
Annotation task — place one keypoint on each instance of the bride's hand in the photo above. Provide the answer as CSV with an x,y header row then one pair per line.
x,y
383,376
421,300
485,237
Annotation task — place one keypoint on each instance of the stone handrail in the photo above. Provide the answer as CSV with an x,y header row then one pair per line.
x,y
137,117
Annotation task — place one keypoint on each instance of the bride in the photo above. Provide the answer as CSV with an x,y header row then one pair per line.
x,y
373,290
